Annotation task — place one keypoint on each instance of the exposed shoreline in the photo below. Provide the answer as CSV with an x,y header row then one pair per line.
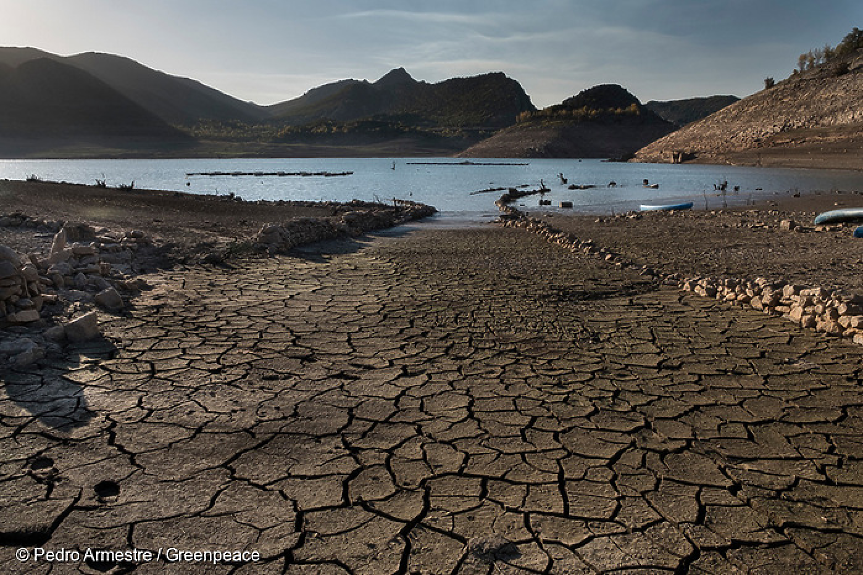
x,y
418,398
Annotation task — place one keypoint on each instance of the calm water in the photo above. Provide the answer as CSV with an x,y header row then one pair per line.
x,y
447,187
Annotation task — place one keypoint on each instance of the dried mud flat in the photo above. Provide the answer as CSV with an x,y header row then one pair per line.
x,y
440,400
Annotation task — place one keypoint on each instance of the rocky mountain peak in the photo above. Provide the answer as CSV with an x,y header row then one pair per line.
x,y
395,77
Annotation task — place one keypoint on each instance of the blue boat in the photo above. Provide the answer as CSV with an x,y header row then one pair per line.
x,y
858,233
666,207
843,215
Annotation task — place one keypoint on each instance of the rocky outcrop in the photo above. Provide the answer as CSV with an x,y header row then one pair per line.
x,y
814,114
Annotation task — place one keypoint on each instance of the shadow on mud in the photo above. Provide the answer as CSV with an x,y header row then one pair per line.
x,y
54,395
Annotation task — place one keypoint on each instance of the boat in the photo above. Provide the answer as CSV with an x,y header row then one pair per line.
x,y
666,207
843,215
858,232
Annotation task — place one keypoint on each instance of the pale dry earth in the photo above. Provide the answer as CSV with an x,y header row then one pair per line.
x,y
811,119
438,400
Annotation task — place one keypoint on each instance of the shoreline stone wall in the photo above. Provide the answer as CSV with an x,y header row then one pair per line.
x,y
275,238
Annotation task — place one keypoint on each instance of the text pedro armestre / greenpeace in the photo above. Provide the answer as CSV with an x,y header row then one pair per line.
x,y
170,554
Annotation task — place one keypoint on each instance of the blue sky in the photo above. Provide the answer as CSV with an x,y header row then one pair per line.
x,y
268,51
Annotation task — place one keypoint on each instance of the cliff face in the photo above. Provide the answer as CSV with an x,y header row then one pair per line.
x,y
812,119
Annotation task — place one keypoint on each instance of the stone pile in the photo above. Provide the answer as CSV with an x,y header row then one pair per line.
x,y
832,312
21,296
279,238
84,266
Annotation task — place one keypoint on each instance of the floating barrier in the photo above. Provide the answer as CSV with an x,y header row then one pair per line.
x,y
465,163
269,174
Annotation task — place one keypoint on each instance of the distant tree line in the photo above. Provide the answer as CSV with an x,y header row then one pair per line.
x,y
559,112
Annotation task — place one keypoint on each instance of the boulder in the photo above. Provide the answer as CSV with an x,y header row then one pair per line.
x,y
10,255
83,328
109,299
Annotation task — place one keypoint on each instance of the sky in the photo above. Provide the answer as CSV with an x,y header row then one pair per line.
x,y
268,51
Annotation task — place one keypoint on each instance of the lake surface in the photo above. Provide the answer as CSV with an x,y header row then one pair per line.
x,y
446,183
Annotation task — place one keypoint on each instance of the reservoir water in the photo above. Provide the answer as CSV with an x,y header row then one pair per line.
x,y
446,183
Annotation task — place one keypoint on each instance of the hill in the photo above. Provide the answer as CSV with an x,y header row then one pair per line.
x,y
605,121
812,119
45,105
176,100
308,100
682,112
486,101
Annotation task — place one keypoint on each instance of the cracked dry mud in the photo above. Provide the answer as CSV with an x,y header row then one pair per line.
x,y
439,401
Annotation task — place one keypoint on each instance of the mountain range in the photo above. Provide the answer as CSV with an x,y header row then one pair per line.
x,y
488,101
103,104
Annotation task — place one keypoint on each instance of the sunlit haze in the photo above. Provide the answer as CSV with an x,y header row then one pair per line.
x,y
269,51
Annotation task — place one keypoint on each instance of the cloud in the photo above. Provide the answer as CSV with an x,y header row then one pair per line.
x,y
424,17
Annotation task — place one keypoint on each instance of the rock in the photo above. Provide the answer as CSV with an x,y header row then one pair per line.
x,y
60,256
56,333
787,225
25,316
10,255
84,250
849,309
79,232
829,327
101,283
83,328
59,242
57,280
851,321
797,312
109,299
29,356
16,346
7,269
30,273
